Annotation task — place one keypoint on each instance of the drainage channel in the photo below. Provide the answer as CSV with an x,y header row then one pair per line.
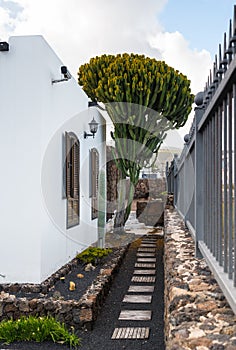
x,y
132,316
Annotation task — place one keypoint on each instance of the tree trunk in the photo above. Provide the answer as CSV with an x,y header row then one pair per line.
x,y
123,207
119,222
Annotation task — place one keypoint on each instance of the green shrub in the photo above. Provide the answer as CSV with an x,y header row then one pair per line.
x,y
37,329
163,193
93,255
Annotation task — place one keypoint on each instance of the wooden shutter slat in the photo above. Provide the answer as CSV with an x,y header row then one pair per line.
x,y
76,171
68,164
72,178
94,181
93,173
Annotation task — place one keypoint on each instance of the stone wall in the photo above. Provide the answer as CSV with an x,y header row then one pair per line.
x,y
152,188
197,315
145,188
79,314
151,213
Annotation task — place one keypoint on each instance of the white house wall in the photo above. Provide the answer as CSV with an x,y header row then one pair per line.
x,y
75,239
34,116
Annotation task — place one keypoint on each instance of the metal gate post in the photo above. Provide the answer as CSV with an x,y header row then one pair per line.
x,y
199,183
175,179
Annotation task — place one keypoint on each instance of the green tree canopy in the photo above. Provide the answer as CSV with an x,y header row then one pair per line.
x,y
144,98
141,80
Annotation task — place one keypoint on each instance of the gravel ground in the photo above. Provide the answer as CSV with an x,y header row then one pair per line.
x,y
61,288
100,336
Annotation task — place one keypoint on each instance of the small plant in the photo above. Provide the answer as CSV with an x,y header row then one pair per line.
x,y
163,193
93,255
37,329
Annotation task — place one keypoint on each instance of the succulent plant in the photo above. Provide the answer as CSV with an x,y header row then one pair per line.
x,y
144,98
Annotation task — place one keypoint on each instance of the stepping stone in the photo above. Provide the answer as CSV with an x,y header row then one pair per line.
x,y
147,250
150,266
131,333
141,289
135,315
146,254
144,279
147,260
148,245
149,240
144,272
146,299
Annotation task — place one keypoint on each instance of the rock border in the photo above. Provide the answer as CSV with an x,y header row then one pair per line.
x,y
76,314
197,315
43,287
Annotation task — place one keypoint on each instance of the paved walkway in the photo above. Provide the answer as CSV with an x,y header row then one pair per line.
x,y
132,316
140,292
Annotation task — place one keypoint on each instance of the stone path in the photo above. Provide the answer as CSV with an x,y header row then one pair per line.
x,y
139,293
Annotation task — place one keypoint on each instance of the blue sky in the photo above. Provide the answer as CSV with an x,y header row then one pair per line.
x,y
201,21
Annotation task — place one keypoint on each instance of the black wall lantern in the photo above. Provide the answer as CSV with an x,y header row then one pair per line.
x,y
93,127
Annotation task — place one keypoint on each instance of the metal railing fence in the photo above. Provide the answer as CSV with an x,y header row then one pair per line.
x,y
203,179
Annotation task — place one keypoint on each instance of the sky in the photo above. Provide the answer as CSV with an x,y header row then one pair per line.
x,y
184,33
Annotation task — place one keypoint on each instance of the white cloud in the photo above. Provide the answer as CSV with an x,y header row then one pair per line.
x,y
176,52
7,23
79,29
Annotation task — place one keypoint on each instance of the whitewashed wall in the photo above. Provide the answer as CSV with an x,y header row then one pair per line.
x,y
34,115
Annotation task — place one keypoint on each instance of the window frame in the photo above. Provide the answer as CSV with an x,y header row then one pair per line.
x,y
72,179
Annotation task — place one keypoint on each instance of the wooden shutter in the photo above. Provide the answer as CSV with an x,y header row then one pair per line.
x,y
68,165
76,167
72,178
94,181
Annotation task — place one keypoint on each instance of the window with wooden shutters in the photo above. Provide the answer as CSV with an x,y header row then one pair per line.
x,y
94,158
72,179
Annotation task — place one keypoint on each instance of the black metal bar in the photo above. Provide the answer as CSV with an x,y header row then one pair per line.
x,y
211,150
205,201
220,227
208,188
215,184
230,231
234,116
225,187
